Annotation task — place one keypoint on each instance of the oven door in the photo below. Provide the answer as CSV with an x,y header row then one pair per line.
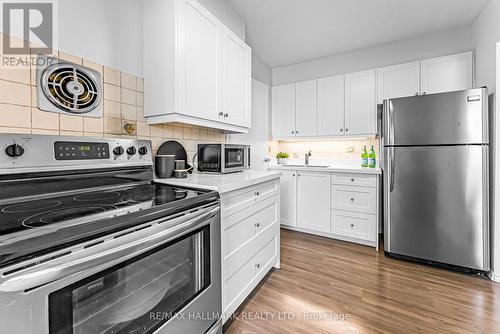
x,y
161,279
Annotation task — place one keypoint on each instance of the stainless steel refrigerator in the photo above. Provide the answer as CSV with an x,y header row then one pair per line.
x,y
436,178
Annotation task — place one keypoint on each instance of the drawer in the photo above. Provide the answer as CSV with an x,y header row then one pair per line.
x,y
265,255
362,180
237,200
354,225
239,285
356,199
242,226
235,285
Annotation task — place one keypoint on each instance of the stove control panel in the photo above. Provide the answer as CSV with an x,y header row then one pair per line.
x,y
29,152
65,150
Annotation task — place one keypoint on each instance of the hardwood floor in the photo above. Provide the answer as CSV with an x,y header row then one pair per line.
x,y
323,277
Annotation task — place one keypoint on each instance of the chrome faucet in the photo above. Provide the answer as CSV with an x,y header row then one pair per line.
x,y
307,158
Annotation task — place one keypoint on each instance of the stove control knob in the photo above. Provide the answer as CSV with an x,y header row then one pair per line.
x,y
14,150
143,150
118,150
131,150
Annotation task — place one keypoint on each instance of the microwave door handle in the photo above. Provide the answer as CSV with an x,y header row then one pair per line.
x,y
40,277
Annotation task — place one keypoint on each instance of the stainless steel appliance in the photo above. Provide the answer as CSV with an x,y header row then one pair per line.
x,y
89,244
223,158
436,178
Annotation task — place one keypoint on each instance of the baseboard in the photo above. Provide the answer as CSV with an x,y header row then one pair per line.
x,y
495,277
330,235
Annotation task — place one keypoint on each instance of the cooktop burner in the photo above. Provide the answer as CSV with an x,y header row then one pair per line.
x,y
81,208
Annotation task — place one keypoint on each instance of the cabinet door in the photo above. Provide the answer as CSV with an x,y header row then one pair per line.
x,y
361,103
288,191
237,80
448,73
398,81
284,111
331,106
200,59
313,201
306,108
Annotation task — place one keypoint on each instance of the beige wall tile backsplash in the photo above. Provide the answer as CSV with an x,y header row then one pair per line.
x,y
123,100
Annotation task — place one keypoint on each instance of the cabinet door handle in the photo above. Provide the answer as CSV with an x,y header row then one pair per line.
x,y
226,115
417,94
293,174
352,199
352,180
221,114
346,130
257,193
293,132
257,265
257,224
352,225
341,130
296,132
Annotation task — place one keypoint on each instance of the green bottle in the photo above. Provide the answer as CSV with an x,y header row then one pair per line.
x,y
372,159
364,158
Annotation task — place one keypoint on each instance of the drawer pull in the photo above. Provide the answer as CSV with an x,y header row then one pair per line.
x,y
257,265
352,199
257,193
257,224
352,180
352,225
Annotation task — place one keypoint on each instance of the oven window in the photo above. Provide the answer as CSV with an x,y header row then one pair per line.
x,y
137,296
234,157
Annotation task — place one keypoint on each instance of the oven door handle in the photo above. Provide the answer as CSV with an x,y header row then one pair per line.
x,y
38,277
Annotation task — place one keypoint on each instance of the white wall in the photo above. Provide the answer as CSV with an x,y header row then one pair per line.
x,y
108,32
486,33
427,46
225,13
260,70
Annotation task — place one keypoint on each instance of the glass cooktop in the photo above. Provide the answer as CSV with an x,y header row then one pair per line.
x,y
86,206
56,221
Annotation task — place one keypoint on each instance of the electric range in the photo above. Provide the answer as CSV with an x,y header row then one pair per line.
x,y
89,243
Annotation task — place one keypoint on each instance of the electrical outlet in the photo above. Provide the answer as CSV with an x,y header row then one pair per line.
x,y
350,149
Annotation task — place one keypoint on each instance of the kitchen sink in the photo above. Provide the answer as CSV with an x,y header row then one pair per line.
x,y
316,166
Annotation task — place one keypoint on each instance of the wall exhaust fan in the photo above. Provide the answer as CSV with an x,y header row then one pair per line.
x,y
68,88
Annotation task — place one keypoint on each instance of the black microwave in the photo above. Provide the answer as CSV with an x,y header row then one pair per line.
x,y
223,158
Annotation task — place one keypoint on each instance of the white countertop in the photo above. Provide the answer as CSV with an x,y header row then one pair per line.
x,y
336,167
222,183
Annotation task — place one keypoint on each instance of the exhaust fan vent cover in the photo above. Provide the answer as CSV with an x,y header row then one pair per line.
x,y
69,88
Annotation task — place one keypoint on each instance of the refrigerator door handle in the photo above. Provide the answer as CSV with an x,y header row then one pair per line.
x,y
391,120
392,153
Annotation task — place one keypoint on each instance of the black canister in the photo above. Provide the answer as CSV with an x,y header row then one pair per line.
x,y
164,166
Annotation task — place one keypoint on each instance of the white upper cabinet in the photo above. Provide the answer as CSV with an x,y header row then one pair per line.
x,y
313,201
448,73
196,71
237,76
360,103
201,64
306,109
331,106
398,81
283,111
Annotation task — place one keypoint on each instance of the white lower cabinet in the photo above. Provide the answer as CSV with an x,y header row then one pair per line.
x,y
313,201
354,225
249,240
338,205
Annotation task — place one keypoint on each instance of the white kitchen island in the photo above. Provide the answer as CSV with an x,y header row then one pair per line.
x,y
250,228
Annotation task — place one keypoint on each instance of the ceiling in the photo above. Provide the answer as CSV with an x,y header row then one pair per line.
x,y
284,32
